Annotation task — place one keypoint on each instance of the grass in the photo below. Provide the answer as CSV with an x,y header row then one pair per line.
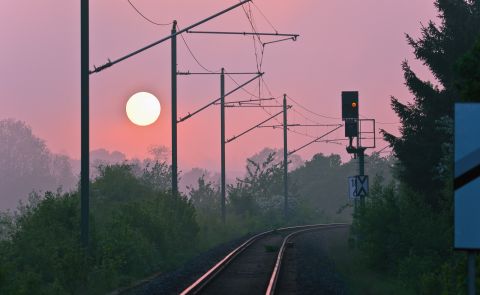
x,y
358,277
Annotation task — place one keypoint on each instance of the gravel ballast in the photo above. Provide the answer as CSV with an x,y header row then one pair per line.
x,y
176,281
308,267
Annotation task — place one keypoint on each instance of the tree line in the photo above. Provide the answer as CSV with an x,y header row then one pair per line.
x,y
406,227
138,227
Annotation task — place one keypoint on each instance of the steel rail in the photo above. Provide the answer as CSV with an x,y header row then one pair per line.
x,y
213,272
281,253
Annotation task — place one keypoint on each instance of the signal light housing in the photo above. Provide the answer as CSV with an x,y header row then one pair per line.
x,y
349,105
350,112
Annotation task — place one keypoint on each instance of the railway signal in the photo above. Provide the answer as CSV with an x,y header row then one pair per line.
x,y
350,105
350,113
353,129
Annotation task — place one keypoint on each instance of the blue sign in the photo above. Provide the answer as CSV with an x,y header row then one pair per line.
x,y
467,176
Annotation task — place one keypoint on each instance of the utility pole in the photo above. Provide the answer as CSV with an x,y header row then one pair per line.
x,y
361,170
285,126
221,101
174,110
285,157
222,139
84,121
471,272
173,37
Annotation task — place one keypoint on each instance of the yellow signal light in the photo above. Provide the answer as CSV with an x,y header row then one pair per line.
x,y
354,104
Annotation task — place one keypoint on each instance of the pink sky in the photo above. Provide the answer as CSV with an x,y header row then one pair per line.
x,y
344,45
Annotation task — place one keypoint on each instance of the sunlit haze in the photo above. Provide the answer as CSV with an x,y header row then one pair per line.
x,y
343,45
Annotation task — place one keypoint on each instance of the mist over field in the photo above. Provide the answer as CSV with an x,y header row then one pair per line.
x,y
43,170
349,117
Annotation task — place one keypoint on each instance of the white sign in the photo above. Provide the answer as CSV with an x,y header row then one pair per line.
x,y
357,186
352,187
362,185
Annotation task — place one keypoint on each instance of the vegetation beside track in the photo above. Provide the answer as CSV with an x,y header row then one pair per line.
x,y
139,228
405,230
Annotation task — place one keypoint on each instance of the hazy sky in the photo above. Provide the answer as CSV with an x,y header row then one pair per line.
x,y
344,45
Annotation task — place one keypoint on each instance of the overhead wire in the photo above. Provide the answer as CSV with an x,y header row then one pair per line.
x,y
259,59
293,109
306,134
251,21
146,18
265,17
312,112
181,35
193,55
247,91
259,62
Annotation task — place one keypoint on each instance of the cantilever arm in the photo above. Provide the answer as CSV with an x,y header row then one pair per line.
x,y
216,100
111,63
315,140
256,126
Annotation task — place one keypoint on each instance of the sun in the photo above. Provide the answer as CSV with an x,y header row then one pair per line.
x,y
143,108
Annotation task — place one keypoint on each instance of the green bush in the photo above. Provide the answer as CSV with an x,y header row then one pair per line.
x,y
135,230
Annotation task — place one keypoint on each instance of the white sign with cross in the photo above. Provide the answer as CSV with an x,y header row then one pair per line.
x,y
357,186
362,185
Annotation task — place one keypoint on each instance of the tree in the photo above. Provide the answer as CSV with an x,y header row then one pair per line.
x,y
469,72
419,148
294,161
205,198
26,164
157,175
136,230
260,192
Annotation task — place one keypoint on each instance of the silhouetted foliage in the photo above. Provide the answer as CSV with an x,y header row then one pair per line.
x,y
26,164
469,72
406,228
419,148
136,230
322,182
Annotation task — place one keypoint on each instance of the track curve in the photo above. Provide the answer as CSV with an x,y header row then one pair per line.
x,y
254,266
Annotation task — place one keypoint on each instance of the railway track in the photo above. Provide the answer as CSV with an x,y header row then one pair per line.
x,y
253,267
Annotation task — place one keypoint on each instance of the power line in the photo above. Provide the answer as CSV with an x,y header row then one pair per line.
x,y
193,55
249,92
265,17
291,129
250,19
293,109
110,63
383,123
312,112
146,18
276,99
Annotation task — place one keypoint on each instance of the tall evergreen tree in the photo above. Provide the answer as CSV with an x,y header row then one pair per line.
x,y
419,148
469,71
